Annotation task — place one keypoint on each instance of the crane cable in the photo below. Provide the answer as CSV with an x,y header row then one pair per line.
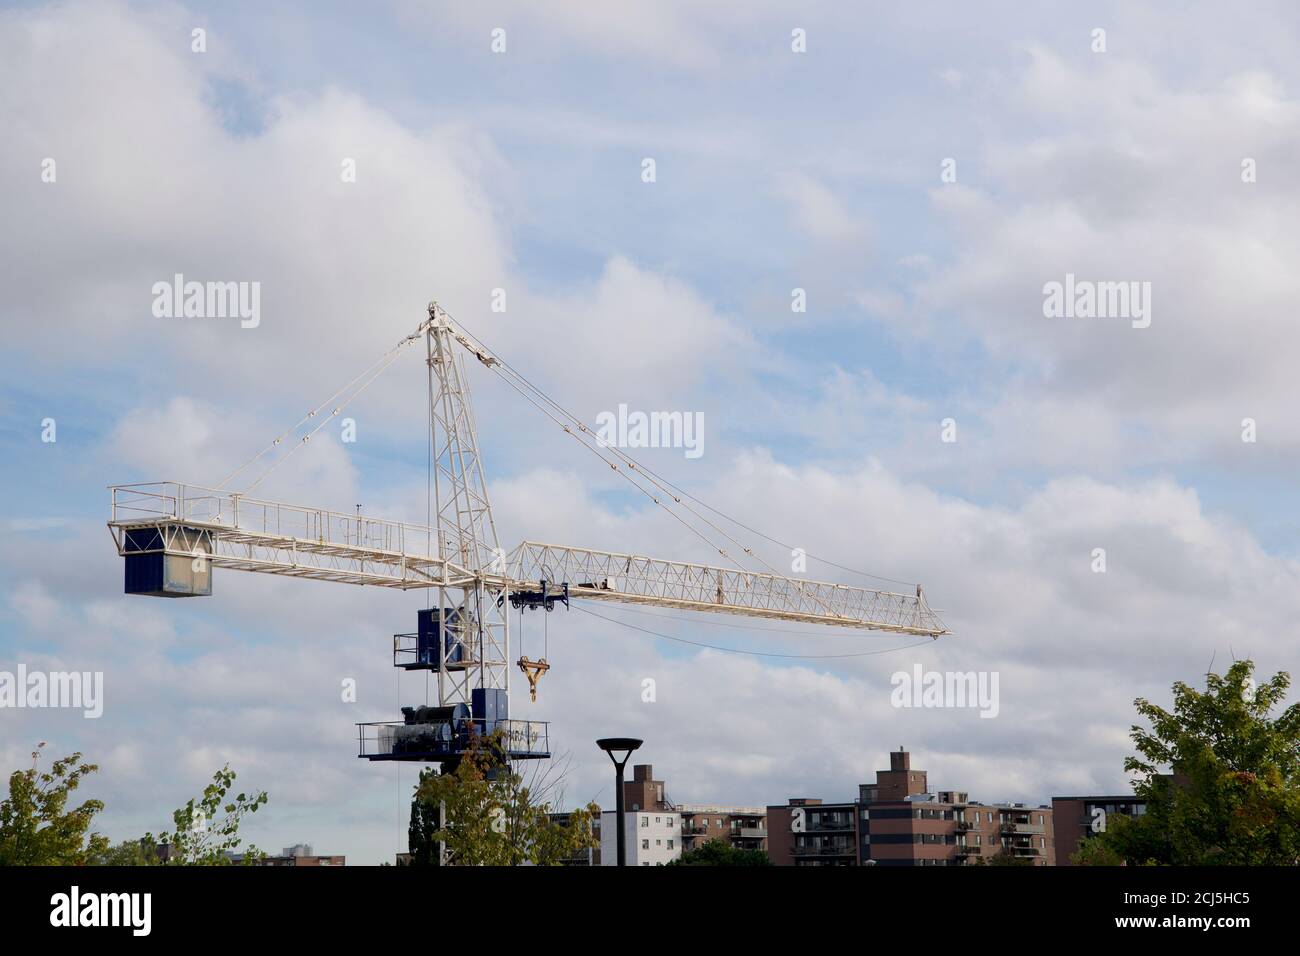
x,y
373,371
307,437
528,390
664,484
686,524
497,363
627,477
737,650
635,466
752,628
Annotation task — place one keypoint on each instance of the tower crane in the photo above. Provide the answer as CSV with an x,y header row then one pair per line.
x,y
172,536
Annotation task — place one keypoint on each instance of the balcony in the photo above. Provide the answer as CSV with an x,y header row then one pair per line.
x,y
1023,824
831,825
750,833
444,739
835,850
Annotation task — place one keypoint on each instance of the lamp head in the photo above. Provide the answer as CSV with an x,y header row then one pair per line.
x,y
623,745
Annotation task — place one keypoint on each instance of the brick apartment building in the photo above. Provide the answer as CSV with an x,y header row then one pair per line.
x,y
743,827
300,854
898,821
1074,819
659,831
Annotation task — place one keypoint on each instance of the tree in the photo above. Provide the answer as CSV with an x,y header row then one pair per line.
x,y
1095,852
719,852
485,814
200,839
424,823
141,852
36,829
1004,857
1232,793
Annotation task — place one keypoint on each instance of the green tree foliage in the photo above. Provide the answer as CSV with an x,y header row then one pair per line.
x,y
485,814
1004,857
207,828
142,852
36,828
424,823
721,853
1220,777
1100,852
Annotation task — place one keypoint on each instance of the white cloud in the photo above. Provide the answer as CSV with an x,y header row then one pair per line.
x,y
1142,184
817,211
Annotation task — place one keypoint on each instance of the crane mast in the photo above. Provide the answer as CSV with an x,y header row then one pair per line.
x,y
473,612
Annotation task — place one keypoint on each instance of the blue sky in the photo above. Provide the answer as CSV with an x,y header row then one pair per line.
x,y
775,170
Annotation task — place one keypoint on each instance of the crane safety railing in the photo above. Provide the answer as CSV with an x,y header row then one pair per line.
x,y
256,535
398,740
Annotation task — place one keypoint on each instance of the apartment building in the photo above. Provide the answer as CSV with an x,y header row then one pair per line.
x,y
742,827
807,832
300,854
654,837
1075,819
897,821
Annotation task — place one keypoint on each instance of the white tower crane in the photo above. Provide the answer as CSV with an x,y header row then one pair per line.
x,y
173,535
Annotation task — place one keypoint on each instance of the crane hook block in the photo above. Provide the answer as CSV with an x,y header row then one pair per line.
x,y
533,670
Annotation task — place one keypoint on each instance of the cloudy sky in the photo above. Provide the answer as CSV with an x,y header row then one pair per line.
x,y
921,175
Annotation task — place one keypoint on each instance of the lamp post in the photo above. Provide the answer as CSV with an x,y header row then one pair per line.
x,y
625,745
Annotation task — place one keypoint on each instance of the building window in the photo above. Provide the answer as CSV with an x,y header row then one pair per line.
x,y
645,844
670,844
645,821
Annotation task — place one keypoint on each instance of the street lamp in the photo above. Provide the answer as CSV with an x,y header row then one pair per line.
x,y
624,745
